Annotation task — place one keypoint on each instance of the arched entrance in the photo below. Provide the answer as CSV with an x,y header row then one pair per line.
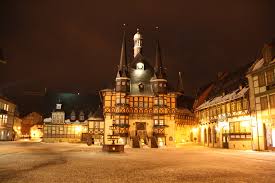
x,y
205,136
209,136
191,136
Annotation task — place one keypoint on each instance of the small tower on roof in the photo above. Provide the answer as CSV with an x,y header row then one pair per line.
x,y
137,43
159,81
122,78
180,88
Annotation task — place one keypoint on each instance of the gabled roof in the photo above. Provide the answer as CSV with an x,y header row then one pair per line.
x,y
227,83
97,115
139,58
266,57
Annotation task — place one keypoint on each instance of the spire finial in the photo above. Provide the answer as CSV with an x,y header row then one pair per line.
x,y
137,30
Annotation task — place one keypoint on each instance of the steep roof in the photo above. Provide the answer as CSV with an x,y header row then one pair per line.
x,y
266,57
123,64
159,69
97,115
227,83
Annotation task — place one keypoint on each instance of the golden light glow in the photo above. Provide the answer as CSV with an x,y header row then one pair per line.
x,y
35,134
120,141
78,129
245,124
160,142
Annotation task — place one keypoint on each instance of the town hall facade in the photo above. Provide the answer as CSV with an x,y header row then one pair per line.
x,y
142,106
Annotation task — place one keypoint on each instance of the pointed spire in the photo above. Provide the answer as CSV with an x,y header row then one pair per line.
x,y
158,63
159,69
122,69
180,84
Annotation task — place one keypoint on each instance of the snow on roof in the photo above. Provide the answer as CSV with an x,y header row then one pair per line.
x,y
47,120
258,65
68,121
221,99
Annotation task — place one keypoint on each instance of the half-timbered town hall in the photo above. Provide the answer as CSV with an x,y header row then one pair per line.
x,y
142,106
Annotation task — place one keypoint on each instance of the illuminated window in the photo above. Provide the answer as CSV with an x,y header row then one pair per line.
x,y
223,108
239,105
233,106
123,83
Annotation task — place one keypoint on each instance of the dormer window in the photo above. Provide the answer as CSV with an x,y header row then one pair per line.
x,y
73,116
141,87
81,116
140,66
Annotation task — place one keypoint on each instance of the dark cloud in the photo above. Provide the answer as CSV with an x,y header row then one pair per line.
x,y
75,45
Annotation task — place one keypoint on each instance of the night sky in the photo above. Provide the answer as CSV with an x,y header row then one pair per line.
x,y
75,45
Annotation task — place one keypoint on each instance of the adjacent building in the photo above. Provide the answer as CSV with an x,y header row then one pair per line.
x,y
223,112
7,116
262,99
59,129
28,121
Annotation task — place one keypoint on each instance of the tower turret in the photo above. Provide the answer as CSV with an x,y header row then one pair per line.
x,y
122,78
137,43
159,81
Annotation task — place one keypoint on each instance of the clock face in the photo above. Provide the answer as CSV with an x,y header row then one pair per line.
x,y
140,66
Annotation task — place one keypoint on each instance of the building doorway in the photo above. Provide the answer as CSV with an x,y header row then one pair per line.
x,y
141,132
265,136
209,136
225,140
